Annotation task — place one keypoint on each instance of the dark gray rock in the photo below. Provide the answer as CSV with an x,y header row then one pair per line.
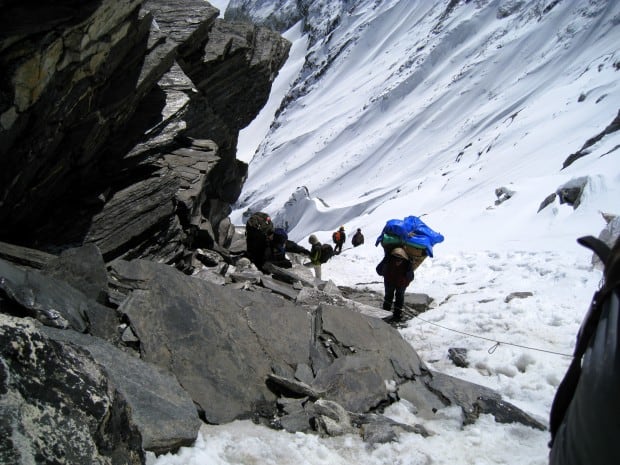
x,y
304,373
49,300
200,332
249,57
57,405
291,386
24,256
354,382
379,429
475,400
518,295
84,269
332,419
245,338
570,192
586,149
56,303
279,288
295,416
131,154
503,194
547,201
458,355
418,302
161,410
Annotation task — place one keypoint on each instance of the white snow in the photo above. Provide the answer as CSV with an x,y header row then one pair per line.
x,y
408,121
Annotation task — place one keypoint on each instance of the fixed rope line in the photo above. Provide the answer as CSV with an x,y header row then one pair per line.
x,y
497,343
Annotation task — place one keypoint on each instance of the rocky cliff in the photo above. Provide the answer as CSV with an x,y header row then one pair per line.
x,y
119,123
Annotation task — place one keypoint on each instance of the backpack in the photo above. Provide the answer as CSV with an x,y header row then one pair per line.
x,y
260,222
336,237
584,414
327,251
257,228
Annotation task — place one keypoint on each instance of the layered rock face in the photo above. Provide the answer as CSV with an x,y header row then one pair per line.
x,y
123,117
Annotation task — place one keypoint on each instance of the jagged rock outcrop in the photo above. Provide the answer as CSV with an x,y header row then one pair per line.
x,y
124,118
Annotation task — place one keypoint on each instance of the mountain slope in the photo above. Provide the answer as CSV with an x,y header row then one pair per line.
x,y
401,106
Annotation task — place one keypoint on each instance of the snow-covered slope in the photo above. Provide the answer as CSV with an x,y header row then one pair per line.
x,y
426,108
389,108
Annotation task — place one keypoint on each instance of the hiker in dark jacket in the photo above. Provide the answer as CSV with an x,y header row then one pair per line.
x,y
339,237
358,238
397,272
275,250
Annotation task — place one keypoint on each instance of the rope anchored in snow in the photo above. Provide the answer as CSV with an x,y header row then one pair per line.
x,y
497,343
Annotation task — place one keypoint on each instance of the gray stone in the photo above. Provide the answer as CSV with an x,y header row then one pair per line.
x,y
458,356
425,401
475,400
304,373
279,288
570,192
84,269
49,300
57,404
518,295
161,410
292,386
332,419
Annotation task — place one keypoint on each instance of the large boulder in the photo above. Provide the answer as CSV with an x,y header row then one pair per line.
x,y
57,405
160,408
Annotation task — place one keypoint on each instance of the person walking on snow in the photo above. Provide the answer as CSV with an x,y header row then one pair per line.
x,y
358,238
339,237
397,271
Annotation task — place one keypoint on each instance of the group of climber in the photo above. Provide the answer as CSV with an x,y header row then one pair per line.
x,y
406,243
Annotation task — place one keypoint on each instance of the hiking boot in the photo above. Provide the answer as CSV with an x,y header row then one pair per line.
x,y
397,314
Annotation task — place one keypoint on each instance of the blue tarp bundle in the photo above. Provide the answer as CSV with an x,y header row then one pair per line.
x,y
411,231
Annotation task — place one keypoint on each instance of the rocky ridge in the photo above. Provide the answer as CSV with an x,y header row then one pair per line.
x,y
124,118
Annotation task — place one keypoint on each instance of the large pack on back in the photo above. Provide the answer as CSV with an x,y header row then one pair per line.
x,y
411,234
257,228
260,222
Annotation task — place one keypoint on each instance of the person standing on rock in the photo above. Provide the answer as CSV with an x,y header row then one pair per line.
x,y
315,256
397,271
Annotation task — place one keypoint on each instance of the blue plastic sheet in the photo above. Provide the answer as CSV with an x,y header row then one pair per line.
x,y
412,231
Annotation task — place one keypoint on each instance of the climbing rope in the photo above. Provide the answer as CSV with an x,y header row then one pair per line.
x,y
497,343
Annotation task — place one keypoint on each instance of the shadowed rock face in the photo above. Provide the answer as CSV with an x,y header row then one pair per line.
x,y
123,117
